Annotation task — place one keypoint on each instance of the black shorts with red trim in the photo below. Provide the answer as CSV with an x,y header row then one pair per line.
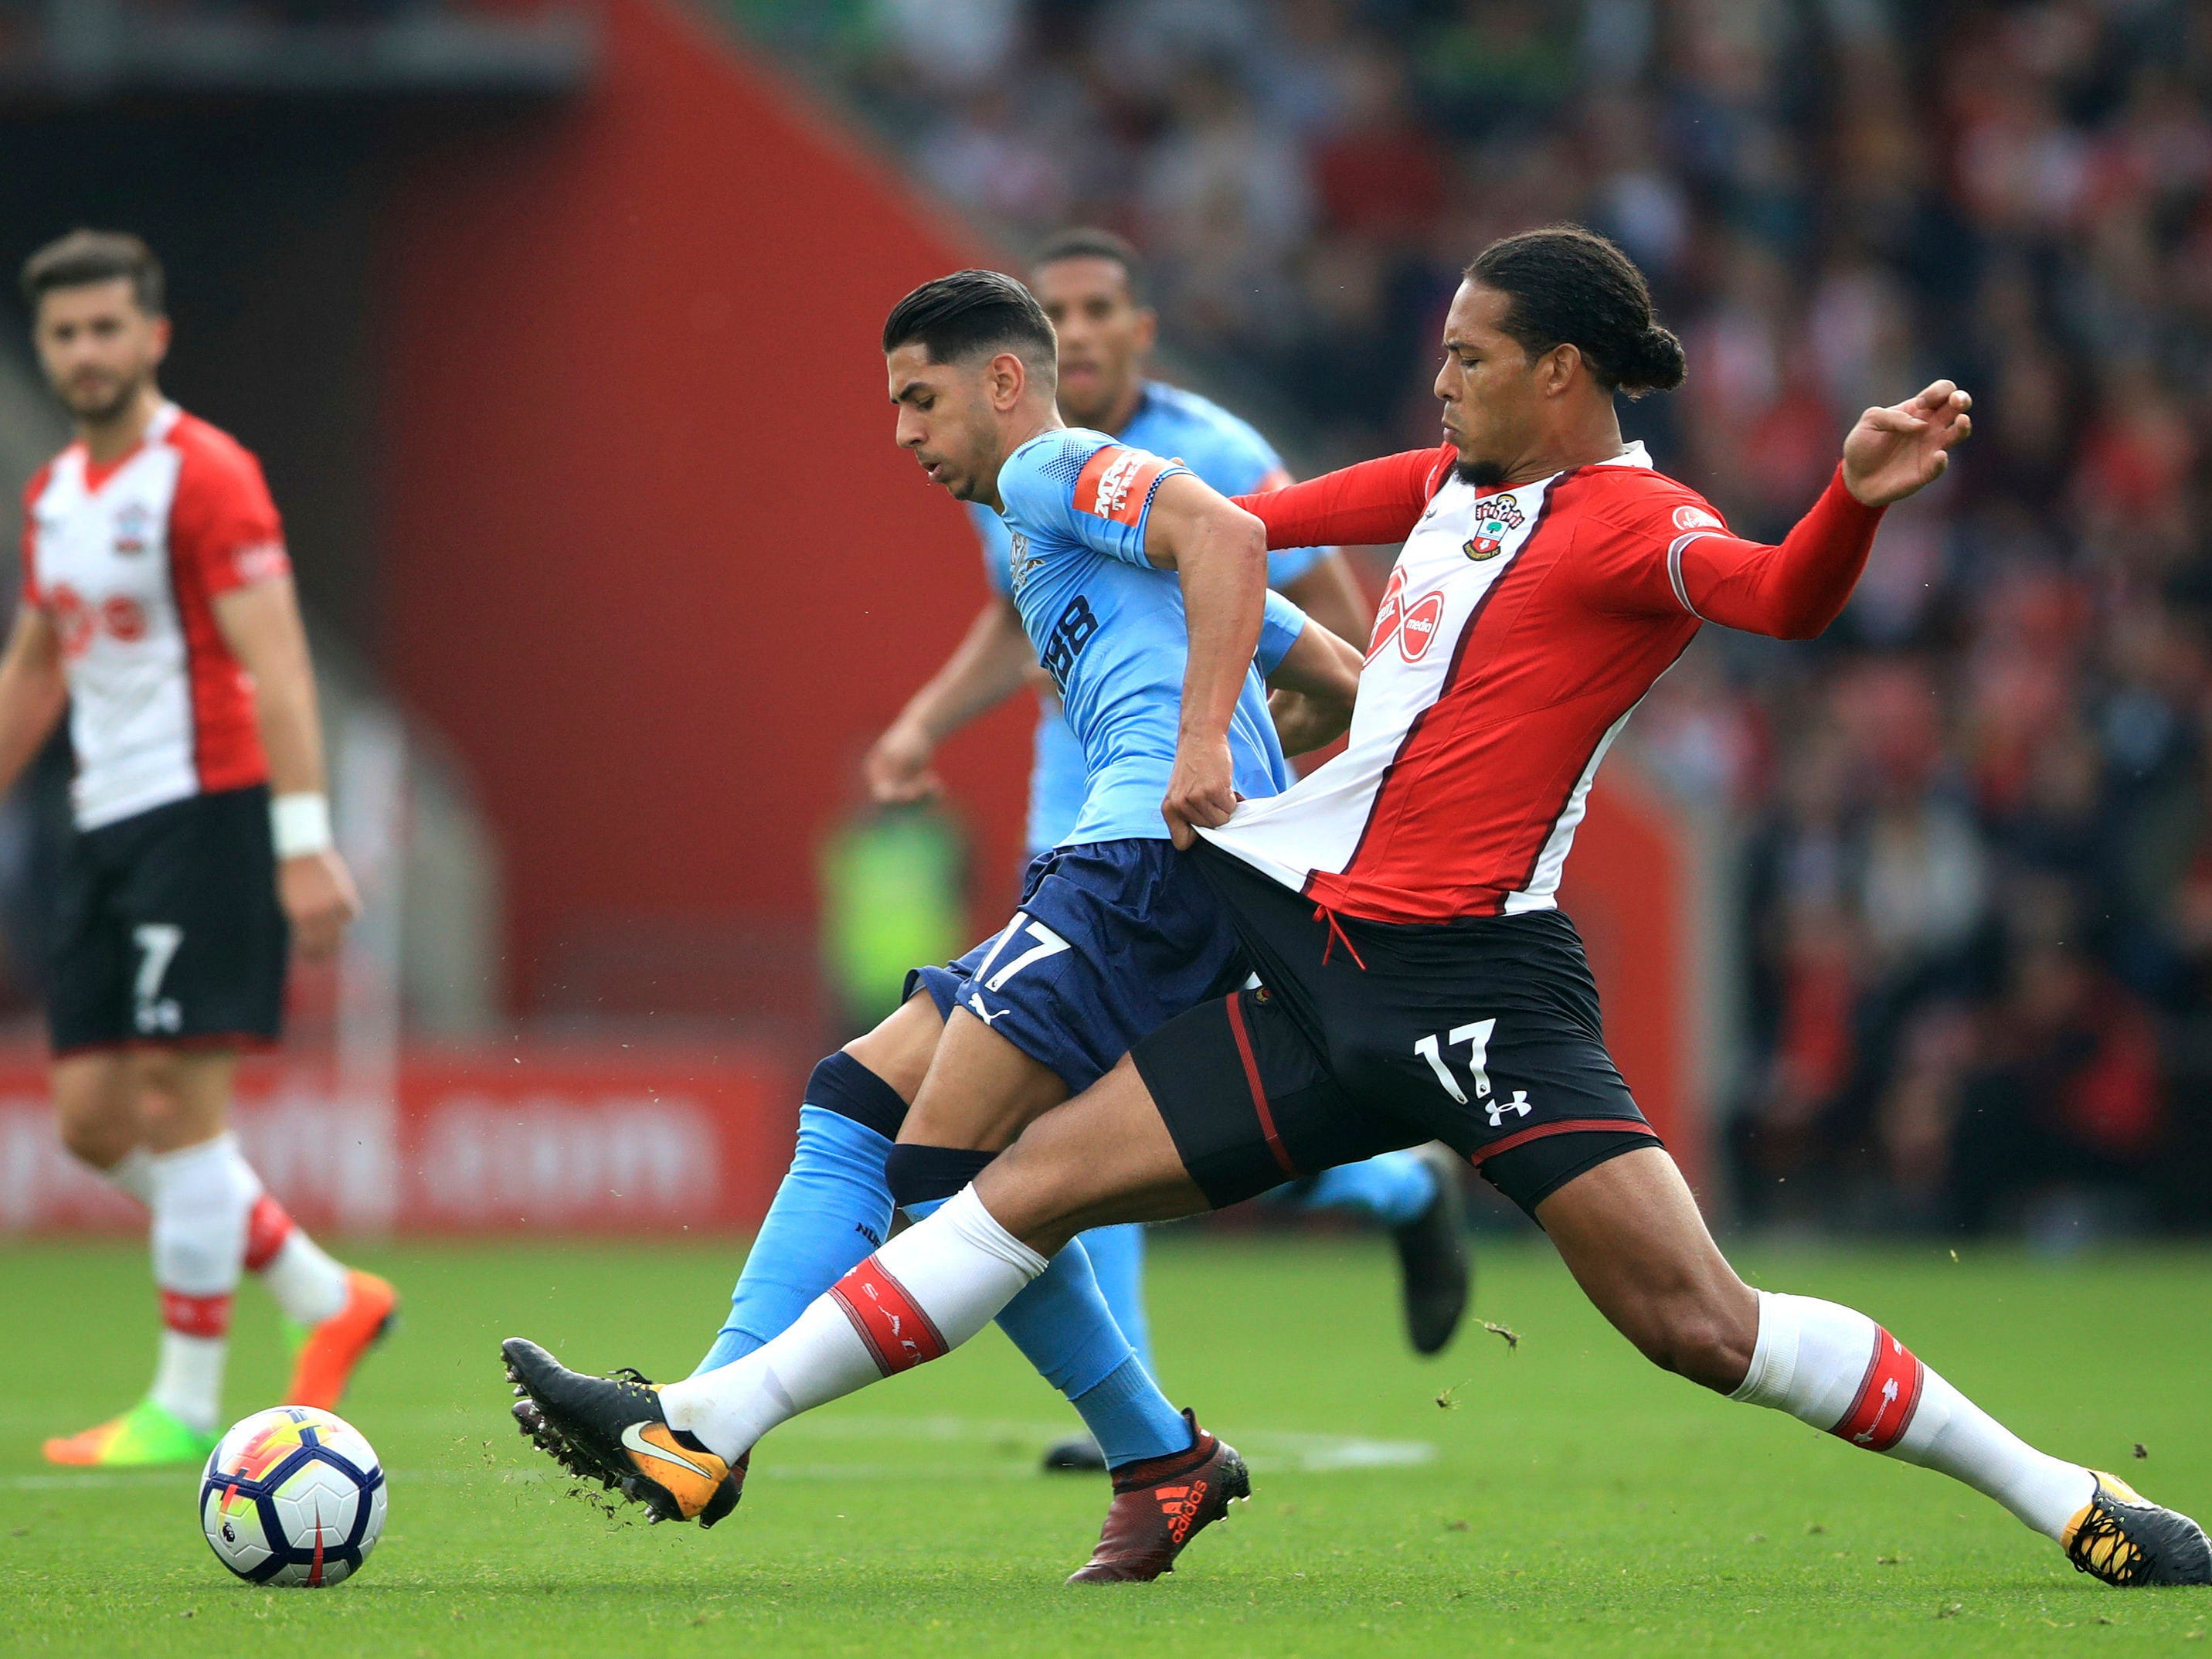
x,y
169,931
1484,1034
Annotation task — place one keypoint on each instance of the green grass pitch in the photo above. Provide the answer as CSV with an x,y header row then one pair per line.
x,y
1568,1499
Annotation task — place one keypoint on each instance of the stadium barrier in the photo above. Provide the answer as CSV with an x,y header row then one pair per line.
x,y
658,1140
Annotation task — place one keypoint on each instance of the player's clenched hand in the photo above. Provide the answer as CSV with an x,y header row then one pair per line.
x,y
317,894
1892,452
1201,790
897,769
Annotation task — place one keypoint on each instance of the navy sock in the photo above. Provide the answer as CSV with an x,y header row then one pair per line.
x,y
832,1210
1389,1190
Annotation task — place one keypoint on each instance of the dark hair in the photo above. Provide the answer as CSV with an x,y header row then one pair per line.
x,y
1569,286
85,257
971,311
1086,242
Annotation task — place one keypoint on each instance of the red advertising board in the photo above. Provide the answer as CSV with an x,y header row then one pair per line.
x,y
585,1140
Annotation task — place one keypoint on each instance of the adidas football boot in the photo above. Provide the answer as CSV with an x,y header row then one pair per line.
x,y
612,1430
1162,1503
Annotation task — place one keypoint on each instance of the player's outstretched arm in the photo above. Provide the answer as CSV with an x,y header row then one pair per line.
x,y
1374,501
1311,692
1795,590
261,625
34,690
986,667
1220,553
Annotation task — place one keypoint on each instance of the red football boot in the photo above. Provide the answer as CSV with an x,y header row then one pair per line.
x,y
1162,1503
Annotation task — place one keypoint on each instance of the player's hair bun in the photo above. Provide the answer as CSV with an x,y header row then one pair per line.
x,y
1654,362
1571,286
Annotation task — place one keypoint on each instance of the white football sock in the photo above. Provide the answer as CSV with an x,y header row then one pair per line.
x,y
308,1286
132,1174
926,1291
201,1197
1838,1370
188,1380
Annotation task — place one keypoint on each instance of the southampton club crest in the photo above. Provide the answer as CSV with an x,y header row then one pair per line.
x,y
1494,520
133,526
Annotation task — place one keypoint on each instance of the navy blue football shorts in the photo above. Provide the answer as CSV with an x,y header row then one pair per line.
x,y
1113,938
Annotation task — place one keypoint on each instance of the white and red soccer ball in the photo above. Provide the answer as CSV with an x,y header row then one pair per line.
x,y
292,1496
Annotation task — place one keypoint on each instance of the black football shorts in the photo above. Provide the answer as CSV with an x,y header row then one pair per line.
x,y
169,932
1483,1033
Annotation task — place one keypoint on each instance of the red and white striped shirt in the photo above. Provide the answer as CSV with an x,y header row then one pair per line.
x,y
1520,628
128,560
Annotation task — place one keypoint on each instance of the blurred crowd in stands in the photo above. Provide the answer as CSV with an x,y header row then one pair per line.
x,y
1976,819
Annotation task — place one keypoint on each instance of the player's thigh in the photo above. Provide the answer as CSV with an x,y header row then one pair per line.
x,y
1249,1103
184,1094
96,1105
981,1090
1630,1232
901,1045
1106,1155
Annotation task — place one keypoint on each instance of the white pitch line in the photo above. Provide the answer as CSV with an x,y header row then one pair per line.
x,y
1275,1451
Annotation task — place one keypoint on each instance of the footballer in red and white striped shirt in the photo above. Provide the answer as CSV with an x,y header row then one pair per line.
x,y
156,607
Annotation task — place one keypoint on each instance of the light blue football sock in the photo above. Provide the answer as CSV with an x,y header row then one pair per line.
x,y
1117,1261
1389,1190
1130,1417
832,1210
1060,1323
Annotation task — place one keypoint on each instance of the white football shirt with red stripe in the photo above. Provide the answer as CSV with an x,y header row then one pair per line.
x,y
128,561
1519,629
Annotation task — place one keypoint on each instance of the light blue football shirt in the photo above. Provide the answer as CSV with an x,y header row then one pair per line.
x,y
1109,628
1226,453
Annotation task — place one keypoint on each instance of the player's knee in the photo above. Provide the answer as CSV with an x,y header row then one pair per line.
x,y
1700,1336
1039,1186
94,1114
899,1049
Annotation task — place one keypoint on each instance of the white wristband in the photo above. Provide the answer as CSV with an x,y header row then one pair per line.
x,y
300,824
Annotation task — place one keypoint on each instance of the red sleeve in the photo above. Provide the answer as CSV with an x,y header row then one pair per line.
x,y
1378,500
223,527
32,491
1792,592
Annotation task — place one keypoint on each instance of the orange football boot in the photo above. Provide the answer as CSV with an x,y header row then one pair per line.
x,y
326,1359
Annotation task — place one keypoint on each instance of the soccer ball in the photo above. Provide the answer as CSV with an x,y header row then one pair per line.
x,y
292,1496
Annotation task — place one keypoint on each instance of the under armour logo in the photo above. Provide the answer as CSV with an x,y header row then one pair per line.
x,y
1889,1398
1497,1108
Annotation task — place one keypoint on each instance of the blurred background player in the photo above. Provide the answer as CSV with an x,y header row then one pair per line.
x,y
1091,284
158,608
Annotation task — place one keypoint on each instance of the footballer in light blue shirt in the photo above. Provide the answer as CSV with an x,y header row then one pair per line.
x,y
1090,285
